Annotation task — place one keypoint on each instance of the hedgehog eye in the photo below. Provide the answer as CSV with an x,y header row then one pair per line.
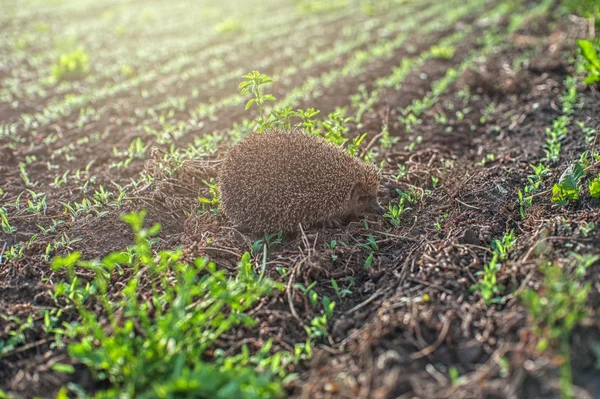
x,y
358,194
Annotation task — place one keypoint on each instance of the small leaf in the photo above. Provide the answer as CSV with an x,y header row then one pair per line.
x,y
369,261
67,261
249,104
62,393
542,345
595,188
589,52
63,368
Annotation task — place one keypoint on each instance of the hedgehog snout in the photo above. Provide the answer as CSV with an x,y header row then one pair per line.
x,y
374,206
365,206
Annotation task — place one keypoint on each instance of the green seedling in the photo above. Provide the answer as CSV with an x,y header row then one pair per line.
x,y
312,295
568,188
594,187
16,337
229,25
335,127
353,147
166,317
488,286
371,244
341,292
555,136
590,133
440,118
6,226
307,119
455,377
402,171
445,52
331,245
489,111
556,310
413,143
411,196
318,326
589,50
488,158
394,211
213,202
369,260
71,66
253,84
269,239
535,180
409,120
386,141
505,245
24,175
61,179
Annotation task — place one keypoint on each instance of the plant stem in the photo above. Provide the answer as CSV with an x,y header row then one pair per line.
x,y
566,377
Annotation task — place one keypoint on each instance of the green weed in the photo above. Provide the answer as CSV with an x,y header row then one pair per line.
x,y
488,286
253,84
555,136
154,333
394,211
341,292
71,66
557,309
568,188
445,52
214,201
594,187
589,50
6,226
535,180
229,25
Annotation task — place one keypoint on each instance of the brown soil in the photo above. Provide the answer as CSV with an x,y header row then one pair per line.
x,y
411,316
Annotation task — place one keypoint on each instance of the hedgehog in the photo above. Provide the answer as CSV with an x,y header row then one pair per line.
x,y
279,180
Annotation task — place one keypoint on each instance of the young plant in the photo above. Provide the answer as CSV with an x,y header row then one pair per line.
x,y
331,245
394,211
555,311
152,337
535,180
318,325
213,202
568,188
444,52
592,64
228,26
353,147
312,295
488,286
335,128
505,245
253,85
340,292
6,226
71,66
555,136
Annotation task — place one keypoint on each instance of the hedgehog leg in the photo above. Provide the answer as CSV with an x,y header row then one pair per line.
x,y
333,223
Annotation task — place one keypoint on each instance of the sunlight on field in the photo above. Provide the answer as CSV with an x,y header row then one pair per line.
x,y
445,247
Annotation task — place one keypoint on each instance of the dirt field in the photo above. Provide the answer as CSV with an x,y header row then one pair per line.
x,y
478,286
